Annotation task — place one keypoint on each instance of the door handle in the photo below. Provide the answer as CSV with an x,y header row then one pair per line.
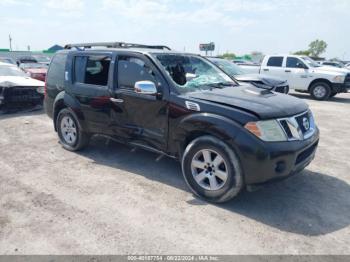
x,y
266,69
288,71
116,100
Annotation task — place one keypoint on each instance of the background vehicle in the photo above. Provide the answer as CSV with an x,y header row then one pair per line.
x,y
332,63
7,60
41,59
35,70
17,89
261,81
26,59
305,75
183,106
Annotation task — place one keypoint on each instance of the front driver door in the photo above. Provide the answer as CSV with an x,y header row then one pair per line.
x,y
296,73
139,118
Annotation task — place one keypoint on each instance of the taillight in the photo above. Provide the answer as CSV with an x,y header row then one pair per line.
x,y
45,89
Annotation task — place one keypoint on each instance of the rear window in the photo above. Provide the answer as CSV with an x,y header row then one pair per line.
x,y
55,75
275,61
92,70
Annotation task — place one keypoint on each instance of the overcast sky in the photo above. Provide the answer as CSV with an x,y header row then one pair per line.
x,y
239,26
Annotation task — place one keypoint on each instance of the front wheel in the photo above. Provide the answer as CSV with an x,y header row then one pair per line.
x,y
212,170
70,132
320,91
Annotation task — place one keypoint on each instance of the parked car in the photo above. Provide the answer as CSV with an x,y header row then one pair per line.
x,y
261,81
7,60
42,59
331,63
17,89
26,59
225,135
35,70
305,75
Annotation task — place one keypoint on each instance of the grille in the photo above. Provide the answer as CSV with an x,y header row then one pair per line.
x,y
281,89
298,127
303,126
22,94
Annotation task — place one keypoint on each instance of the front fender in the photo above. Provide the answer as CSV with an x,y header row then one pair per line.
x,y
195,125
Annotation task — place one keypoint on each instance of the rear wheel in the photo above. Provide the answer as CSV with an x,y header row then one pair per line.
x,y
320,91
70,132
211,169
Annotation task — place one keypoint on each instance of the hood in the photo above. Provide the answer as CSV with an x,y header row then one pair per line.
x,y
36,70
10,81
263,103
332,69
265,79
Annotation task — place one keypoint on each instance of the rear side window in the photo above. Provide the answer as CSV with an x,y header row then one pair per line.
x,y
92,70
56,71
275,61
131,70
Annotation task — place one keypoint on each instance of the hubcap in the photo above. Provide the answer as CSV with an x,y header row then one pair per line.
x,y
320,91
68,130
209,169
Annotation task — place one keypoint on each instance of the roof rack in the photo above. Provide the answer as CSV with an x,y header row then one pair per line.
x,y
115,45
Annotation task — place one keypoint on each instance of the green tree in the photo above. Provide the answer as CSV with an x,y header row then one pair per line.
x,y
229,56
303,52
317,47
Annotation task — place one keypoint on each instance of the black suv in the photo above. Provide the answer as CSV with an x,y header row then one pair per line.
x,y
181,105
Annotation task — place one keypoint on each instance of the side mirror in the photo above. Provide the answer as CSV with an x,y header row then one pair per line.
x,y
145,88
301,65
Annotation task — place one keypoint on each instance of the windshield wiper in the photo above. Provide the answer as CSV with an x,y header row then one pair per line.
x,y
221,84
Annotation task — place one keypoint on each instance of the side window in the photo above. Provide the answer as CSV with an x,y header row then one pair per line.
x,y
56,71
131,70
275,61
293,62
92,70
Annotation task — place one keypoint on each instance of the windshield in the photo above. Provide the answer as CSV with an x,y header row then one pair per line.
x,y
191,72
11,71
228,67
32,65
310,62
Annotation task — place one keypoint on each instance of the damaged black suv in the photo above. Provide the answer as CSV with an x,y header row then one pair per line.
x,y
226,136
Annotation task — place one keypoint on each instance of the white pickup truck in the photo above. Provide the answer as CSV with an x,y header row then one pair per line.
x,y
305,75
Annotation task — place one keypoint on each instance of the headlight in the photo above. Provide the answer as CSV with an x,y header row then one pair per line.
x,y
339,79
268,130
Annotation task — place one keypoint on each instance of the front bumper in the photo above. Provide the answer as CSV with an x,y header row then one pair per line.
x,y
263,162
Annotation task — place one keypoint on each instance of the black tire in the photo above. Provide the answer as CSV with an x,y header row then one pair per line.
x,y
320,91
234,178
82,138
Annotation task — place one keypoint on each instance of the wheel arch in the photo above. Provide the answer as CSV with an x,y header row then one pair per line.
x,y
203,124
64,100
322,80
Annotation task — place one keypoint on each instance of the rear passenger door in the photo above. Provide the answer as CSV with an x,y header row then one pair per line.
x,y
274,67
140,118
91,82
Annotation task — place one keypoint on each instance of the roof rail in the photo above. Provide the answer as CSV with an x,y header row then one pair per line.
x,y
114,45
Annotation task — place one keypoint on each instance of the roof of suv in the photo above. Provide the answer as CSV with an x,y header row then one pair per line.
x,y
119,47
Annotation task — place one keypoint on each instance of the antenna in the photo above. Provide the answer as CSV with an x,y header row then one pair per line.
x,y
10,40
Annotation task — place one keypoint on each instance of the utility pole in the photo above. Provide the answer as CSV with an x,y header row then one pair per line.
x,y
10,40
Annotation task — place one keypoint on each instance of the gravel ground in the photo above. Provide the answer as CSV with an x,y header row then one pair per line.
x,y
109,199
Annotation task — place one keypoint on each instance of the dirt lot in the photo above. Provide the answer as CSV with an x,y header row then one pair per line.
x,y
111,200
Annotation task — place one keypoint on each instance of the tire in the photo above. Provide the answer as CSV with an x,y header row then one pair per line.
x,y
70,132
320,91
213,185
